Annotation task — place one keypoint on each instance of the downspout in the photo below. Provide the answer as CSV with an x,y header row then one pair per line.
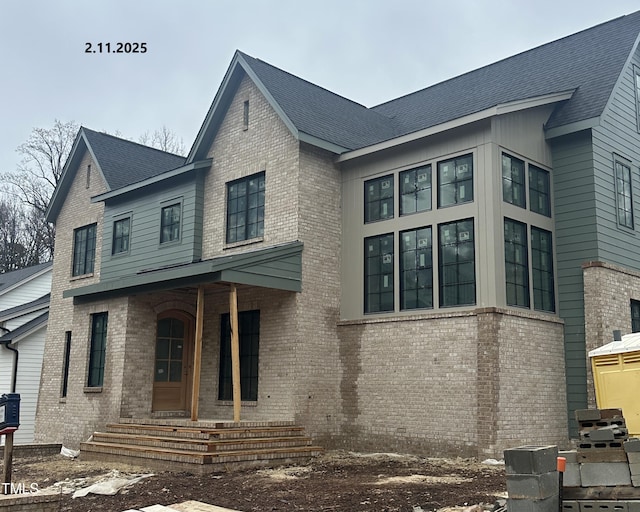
x,y
7,345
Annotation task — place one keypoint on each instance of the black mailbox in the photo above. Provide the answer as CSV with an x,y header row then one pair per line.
x,y
9,412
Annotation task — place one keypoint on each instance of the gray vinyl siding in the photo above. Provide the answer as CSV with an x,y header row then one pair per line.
x,y
618,135
575,242
145,251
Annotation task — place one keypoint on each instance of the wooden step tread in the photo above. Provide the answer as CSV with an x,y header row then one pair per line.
x,y
204,442
203,430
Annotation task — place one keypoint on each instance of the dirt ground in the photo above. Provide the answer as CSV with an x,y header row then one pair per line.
x,y
335,481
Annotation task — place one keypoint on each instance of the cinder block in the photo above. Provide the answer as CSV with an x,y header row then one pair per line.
x,y
602,455
571,477
634,469
547,505
601,434
633,457
610,413
633,506
570,455
535,487
635,481
604,474
570,506
530,460
588,415
632,445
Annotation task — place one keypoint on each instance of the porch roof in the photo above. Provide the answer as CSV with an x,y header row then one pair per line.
x,y
278,267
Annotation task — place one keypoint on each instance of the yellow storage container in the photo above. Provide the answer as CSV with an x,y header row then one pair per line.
x,y
616,376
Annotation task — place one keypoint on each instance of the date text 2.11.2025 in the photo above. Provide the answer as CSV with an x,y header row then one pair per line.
x,y
115,48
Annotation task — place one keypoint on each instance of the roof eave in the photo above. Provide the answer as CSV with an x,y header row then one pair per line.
x,y
566,129
200,164
500,109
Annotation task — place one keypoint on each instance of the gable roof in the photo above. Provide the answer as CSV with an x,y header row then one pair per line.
x,y
120,162
23,309
577,72
20,332
9,280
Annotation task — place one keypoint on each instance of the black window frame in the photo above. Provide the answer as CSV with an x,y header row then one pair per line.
x,y
513,181
121,242
416,268
84,250
543,279
624,193
516,263
379,273
415,188
635,315
66,364
539,190
379,196
97,349
459,179
636,79
455,273
249,340
168,226
245,208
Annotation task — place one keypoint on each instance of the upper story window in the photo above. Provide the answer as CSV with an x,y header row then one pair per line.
x,y
84,250
624,201
416,269
97,349
245,115
636,76
378,274
542,270
120,242
378,199
245,208
170,223
516,263
415,190
513,181
457,271
455,181
539,191
635,315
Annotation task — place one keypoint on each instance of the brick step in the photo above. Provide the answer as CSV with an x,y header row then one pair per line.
x,y
191,457
206,433
201,445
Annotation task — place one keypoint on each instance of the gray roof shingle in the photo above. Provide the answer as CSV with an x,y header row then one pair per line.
x,y
8,279
124,162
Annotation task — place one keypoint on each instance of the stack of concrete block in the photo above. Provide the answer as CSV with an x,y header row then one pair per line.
x,y
632,448
601,454
532,479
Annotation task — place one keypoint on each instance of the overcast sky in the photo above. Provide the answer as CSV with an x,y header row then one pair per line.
x,y
369,51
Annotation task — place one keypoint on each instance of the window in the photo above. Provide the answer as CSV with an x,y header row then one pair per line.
x,y
169,350
513,181
542,267
635,315
624,202
455,181
378,199
378,274
84,250
416,269
120,241
65,364
245,115
97,349
249,338
457,272
170,223
245,208
637,81
516,263
539,191
415,190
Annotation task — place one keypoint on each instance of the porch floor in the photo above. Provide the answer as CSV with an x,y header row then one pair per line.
x,y
204,446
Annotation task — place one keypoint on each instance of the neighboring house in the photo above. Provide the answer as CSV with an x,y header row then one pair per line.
x,y
423,275
24,309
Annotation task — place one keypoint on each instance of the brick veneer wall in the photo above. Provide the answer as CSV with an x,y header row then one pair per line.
x,y
608,290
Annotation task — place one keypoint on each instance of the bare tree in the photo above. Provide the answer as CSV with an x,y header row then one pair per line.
x,y
163,139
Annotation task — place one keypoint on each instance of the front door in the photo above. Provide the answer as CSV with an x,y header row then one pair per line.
x,y
173,361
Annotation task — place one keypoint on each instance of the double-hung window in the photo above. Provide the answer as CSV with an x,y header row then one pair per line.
x,y
170,223
97,349
84,250
457,274
245,208
120,242
455,181
513,181
624,200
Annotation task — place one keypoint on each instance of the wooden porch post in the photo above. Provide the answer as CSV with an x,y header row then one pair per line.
x,y
197,355
235,352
